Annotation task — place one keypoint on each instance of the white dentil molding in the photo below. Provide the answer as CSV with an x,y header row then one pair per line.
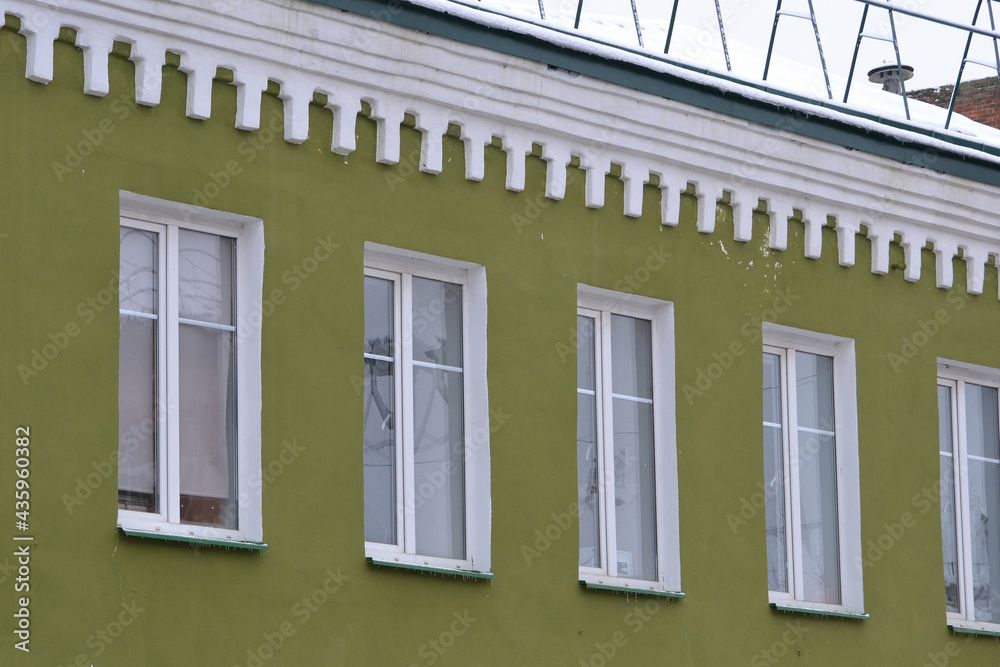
x,y
308,48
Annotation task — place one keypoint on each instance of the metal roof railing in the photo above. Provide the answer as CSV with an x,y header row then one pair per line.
x,y
902,72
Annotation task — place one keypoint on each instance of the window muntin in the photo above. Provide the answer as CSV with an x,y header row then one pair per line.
x,y
812,507
969,435
426,427
186,375
626,458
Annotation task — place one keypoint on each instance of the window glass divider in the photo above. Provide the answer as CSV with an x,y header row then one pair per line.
x,y
606,410
407,411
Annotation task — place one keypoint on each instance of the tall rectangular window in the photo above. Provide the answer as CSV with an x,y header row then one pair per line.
x,y
969,434
426,424
626,456
184,460
812,502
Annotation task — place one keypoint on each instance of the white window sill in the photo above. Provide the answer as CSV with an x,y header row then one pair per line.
x,y
621,584
633,589
456,571
194,539
835,611
961,627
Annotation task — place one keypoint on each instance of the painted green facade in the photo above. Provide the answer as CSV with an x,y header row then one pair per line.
x,y
193,605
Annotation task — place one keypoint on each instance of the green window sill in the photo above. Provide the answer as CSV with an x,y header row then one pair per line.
x,y
819,612
629,589
204,541
972,631
466,574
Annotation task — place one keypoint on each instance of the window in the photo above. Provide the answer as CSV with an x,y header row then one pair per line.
x,y
968,412
426,416
188,373
626,453
812,500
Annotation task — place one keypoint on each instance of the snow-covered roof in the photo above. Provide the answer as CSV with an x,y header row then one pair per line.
x,y
795,71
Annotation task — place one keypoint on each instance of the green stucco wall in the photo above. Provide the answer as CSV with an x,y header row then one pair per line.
x,y
212,606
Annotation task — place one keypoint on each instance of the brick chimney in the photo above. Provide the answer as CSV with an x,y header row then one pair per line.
x,y
978,100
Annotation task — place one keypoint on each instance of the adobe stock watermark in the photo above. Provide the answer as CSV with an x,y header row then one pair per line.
x,y
808,448
722,361
41,357
434,481
631,282
432,650
634,621
302,610
926,330
102,638
91,138
535,206
944,657
546,537
773,654
248,150
139,434
894,532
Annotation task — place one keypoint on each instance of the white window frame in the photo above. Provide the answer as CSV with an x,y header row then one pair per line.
x,y
166,218
781,340
397,264
955,374
601,303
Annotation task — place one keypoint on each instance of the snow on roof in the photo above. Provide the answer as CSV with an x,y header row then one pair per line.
x,y
792,83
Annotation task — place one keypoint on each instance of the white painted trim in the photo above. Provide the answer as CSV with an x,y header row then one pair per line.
x,y
955,375
400,266
848,465
600,304
165,218
491,94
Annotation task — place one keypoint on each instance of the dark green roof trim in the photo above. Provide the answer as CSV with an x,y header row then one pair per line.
x,y
672,87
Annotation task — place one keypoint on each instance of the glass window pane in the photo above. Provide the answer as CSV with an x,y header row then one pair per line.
x,y
586,373
984,499
981,422
588,481
378,316
984,510
635,501
205,267
817,462
437,322
631,357
439,461
137,414
949,526
775,511
207,423
588,478
138,271
814,391
772,389
817,465
380,452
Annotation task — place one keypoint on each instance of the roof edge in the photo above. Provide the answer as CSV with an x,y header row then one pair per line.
x,y
927,147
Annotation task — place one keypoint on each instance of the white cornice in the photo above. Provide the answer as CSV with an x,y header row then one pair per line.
x,y
310,48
